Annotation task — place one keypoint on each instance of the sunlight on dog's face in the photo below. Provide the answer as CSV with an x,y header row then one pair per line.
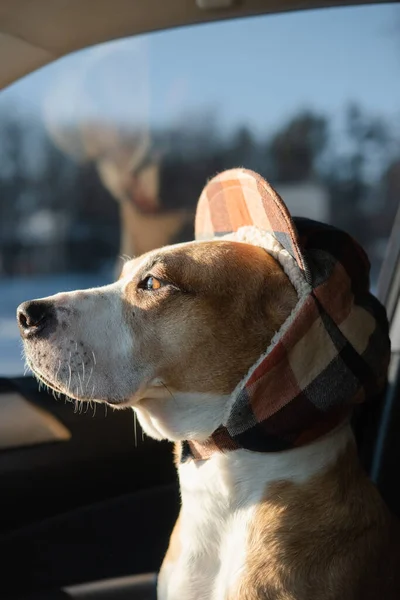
x,y
172,337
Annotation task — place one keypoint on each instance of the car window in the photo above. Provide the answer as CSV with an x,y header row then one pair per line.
x,y
103,153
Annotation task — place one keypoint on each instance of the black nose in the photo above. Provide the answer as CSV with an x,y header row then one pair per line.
x,y
33,316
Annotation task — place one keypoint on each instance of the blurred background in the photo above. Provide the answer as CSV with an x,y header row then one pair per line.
x,y
105,152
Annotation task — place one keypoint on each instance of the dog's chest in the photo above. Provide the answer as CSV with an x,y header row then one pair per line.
x,y
217,505
221,498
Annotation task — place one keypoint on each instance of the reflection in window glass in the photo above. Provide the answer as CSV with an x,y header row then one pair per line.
x,y
105,152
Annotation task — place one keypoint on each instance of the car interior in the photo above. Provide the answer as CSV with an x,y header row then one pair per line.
x,y
112,119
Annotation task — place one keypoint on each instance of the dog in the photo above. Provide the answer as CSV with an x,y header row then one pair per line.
x,y
236,349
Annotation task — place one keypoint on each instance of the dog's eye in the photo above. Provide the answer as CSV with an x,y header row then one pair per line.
x,y
151,283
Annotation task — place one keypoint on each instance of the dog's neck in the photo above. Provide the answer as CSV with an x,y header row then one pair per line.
x,y
238,476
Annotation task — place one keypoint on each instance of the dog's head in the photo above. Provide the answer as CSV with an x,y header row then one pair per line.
x,y
171,338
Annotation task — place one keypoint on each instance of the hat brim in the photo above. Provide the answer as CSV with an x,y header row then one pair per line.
x,y
240,197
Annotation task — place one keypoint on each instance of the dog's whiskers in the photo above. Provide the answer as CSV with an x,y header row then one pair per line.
x,y
83,373
80,383
70,372
170,393
58,370
135,427
89,378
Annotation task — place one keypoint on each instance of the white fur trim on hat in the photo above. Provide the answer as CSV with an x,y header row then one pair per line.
x,y
263,239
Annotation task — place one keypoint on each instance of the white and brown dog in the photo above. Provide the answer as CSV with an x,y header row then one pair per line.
x,y
217,346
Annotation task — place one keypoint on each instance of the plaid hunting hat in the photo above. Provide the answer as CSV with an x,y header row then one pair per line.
x,y
333,350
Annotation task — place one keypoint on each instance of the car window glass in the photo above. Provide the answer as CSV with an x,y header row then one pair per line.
x,y
104,153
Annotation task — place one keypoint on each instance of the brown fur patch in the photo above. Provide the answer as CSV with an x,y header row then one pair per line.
x,y
328,539
177,453
222,304
174,547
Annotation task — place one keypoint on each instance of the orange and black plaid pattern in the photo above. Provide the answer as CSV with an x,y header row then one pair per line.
x,y
335,352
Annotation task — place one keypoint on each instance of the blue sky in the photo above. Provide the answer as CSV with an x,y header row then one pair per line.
x,y
257,71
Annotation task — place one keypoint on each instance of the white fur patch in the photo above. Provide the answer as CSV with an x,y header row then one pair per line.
x,y
176,416
219,500
75,357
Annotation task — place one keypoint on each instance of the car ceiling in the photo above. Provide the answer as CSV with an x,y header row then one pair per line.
x,y
36,32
